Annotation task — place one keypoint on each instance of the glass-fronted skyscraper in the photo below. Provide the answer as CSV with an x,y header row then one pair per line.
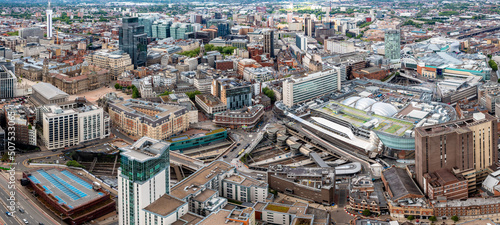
x,y
223,26
147,22
179,30
298,90
393,45
133,40
143,177
161,29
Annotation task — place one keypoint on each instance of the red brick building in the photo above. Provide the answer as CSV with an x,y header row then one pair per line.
x,y
224,64
444,183
371,73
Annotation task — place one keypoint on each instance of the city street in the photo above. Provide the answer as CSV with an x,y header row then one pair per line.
x,y
33,212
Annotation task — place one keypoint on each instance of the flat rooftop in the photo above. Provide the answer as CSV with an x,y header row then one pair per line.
x,y
192,184
165,205
361,118
149,110
459,126
219,218
144,149
66,187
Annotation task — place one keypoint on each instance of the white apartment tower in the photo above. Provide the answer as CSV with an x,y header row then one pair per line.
x,y
143,177
49,22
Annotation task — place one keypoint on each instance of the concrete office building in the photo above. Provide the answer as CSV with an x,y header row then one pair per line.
x,y
31,32
143,177
210,104
309,26
301,42
60,127
8,83
393,45
298,90
269,42
71,124
462,145
5,52
133,40
233,93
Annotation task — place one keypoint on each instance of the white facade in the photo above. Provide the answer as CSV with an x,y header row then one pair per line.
x,y
245,189
310,87
91,123
340,47
144,194
60,127
69,127
155,219
49,22
203,85
276,217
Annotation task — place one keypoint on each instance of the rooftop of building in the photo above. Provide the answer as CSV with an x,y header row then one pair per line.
x,y
155,111
49,91
188,219
459,126
245,112
246,181
443,177
210,100
400,183
368,70
165,205
468,202
67,188
219,217
144,149
303,171
194,182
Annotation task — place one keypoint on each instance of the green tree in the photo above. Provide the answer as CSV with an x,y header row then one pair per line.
x,y
135,92
73,163
455,218
269,93
493,65
165,93
410,217
14,33
433,219
489,56
192,94
366,212
118,86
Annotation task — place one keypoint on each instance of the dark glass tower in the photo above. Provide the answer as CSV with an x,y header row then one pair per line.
x,y
134,41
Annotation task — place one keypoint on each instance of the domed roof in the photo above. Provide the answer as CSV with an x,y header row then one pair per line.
x,y
364,103
384,109
350,100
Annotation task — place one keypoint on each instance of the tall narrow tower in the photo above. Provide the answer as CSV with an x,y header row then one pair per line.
x,y
49,22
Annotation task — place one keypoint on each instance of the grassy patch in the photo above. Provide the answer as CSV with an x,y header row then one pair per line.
x,y
380,126
277,208
393,129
